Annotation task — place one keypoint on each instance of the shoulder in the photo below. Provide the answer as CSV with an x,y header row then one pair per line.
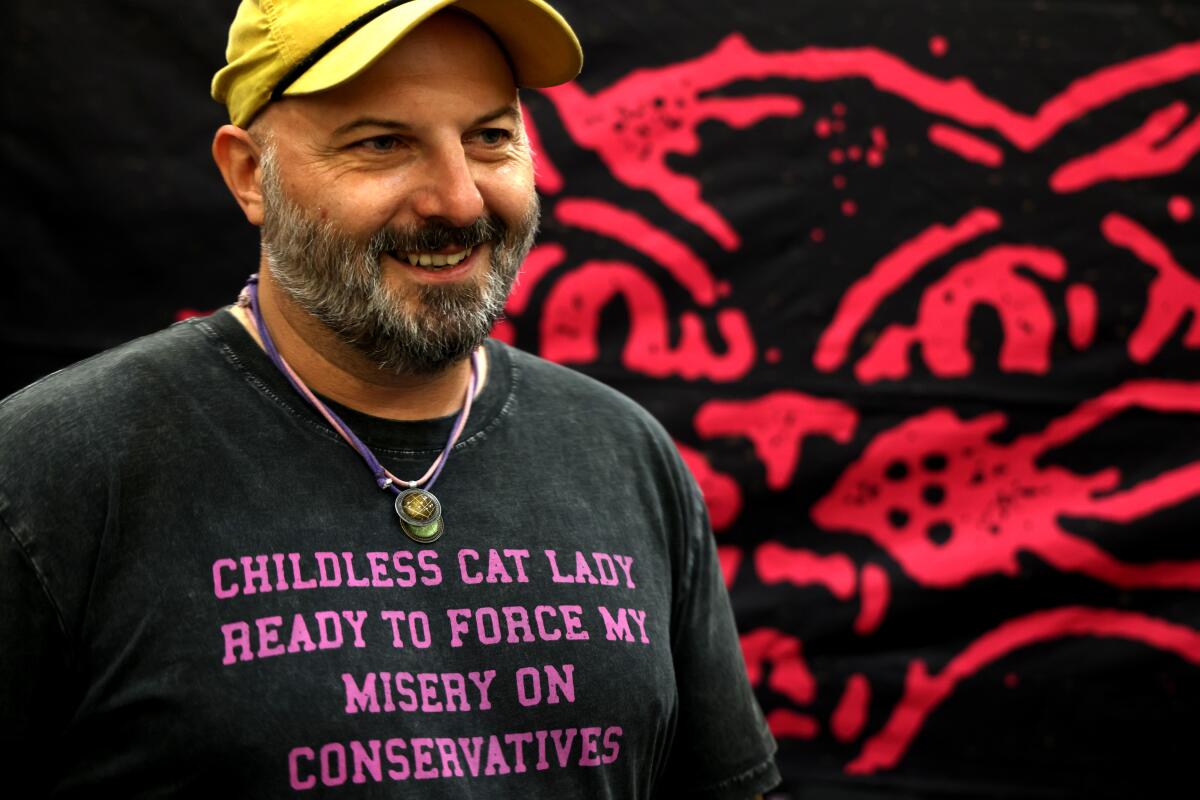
x,y
118,382
70,427
116,371
599,426
553,388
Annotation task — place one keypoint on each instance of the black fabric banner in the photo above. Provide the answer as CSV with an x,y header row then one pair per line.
x,y
915,286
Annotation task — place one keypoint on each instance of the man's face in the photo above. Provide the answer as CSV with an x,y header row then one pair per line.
x,y
421,158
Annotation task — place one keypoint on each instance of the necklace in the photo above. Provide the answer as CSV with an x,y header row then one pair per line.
x,y
420,512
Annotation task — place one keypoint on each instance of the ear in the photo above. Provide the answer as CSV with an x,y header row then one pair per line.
x,y
239,159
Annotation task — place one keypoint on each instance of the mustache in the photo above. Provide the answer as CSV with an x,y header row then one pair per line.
x,y
435,236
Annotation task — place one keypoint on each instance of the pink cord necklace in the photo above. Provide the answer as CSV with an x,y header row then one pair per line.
x,y
419,510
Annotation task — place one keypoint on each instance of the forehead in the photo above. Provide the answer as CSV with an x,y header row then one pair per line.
x,y
449,65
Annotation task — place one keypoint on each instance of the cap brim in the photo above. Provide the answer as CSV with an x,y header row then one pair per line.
x,y
540,44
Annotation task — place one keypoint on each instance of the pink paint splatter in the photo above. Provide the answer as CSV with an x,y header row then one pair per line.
x,y
638,122
938,45
722,495
778,564
549,179
570,325
790,675
966,145
636,232
1174,293
788,724
888,275
849,208
876,592
541,260
850,716
1083,309
924,692
1153,149
962,506
995,278
839,181
777,425
1180,208
505,331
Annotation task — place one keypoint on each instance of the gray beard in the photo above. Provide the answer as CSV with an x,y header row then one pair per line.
x,y
337,278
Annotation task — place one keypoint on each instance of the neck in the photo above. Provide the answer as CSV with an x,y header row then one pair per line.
x,y
332,368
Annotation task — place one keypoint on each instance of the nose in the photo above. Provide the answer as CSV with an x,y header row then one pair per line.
x,y
449,193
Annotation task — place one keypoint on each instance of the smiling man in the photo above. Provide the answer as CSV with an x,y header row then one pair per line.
x,y
334,538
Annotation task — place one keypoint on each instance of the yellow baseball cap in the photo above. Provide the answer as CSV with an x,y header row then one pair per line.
x,y
279,48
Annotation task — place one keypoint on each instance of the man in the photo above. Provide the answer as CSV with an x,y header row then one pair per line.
x,y
223,571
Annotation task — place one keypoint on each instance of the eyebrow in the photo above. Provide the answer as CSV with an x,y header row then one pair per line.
x,y
508,109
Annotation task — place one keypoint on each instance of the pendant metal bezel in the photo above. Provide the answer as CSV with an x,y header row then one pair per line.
x,y
416,529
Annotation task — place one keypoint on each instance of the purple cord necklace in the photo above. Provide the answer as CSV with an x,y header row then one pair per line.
x,y
419,510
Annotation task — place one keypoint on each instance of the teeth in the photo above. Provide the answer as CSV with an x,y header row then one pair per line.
x,y
437,259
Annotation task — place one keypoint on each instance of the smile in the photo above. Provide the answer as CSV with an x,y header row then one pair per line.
x,y
434,259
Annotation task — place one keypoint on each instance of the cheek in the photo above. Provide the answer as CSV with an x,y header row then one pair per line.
x,y
509,190
365,206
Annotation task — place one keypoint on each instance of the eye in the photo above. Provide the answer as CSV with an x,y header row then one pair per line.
x,y
379,144
494,136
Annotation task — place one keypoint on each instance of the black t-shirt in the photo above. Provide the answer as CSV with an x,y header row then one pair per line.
x,y
205,593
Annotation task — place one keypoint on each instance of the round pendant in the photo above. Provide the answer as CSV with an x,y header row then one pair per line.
x,y
420,515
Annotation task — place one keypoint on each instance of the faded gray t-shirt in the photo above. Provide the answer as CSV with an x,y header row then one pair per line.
x,y
206,594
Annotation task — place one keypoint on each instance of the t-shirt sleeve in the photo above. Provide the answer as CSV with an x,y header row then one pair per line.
x,y
723,748
33,665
